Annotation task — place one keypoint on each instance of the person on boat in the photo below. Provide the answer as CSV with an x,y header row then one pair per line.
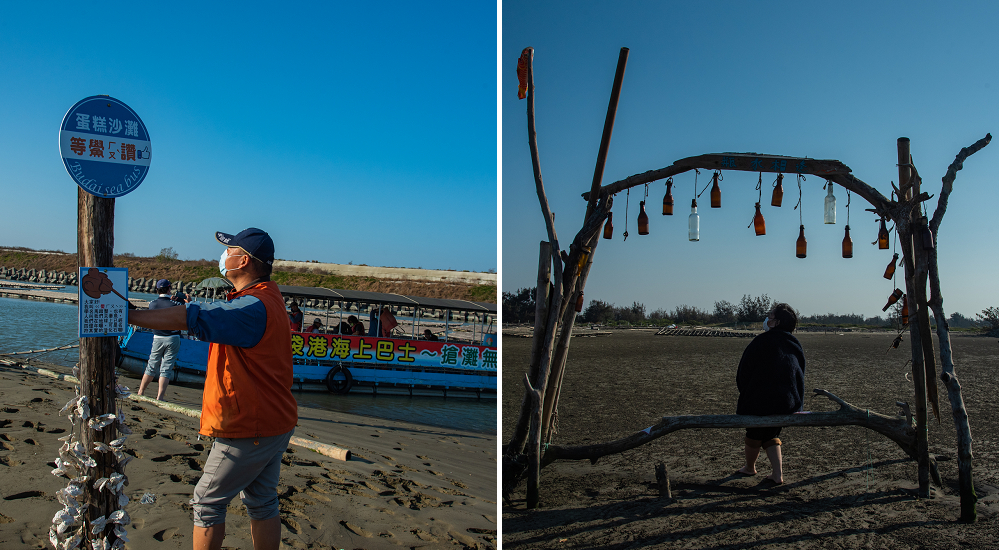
x,y
771,380
430,336
387,322
316,326
247,403
357,327
295,317
345,328
373,322
166,344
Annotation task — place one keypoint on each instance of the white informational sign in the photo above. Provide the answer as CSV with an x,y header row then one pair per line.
x,y
103,309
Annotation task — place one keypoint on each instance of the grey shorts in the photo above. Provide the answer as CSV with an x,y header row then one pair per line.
x,y
237,466
162,356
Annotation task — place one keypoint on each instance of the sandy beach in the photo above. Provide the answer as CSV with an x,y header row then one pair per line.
x,y
845,487
406,485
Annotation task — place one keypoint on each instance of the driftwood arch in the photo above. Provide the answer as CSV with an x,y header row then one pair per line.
x,y
562,276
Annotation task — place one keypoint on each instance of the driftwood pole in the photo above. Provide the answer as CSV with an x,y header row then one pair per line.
x,y
551,400
568,275
967,491
905,223
95,248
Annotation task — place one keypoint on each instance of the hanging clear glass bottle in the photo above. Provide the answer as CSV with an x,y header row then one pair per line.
x,y
830,205
693,221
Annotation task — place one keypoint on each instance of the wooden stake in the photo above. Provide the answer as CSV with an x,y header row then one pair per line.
x,y
609,125
905,226
516,445
95,248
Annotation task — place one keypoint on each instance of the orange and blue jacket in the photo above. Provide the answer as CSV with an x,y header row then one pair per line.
x,y
249,379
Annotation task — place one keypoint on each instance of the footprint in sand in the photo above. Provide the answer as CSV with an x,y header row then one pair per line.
x,y
10,410
6,437
30,441
150,433
165,534
291,524
360,531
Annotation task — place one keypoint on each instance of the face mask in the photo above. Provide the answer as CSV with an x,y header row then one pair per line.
x,y
222,263
766,328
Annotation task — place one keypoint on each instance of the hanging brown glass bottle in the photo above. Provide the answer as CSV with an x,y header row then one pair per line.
x,y
643,221
758,221
778,192
890,269
893,298
904,316
800,243
716,191
668,200
608,228
925,234
847,247
883,237
579,303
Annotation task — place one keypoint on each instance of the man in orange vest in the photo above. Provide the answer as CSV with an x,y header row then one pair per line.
x,y
247,405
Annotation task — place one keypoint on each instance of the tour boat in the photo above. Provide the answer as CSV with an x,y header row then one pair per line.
x,y
402,362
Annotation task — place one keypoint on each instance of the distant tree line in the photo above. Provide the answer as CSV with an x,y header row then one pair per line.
x,y
519,307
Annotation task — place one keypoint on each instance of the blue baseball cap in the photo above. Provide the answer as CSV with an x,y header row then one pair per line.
x,y
253,241
163,283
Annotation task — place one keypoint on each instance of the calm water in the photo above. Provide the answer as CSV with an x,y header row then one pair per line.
x,y
28,324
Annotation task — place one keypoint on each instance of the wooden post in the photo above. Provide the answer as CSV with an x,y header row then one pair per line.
x,y
542,297
95,248
960,416
534,444
910,189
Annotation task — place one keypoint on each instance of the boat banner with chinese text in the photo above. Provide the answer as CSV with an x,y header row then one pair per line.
x,y
410,353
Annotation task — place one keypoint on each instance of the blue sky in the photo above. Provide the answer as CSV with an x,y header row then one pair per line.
x,y
828,81
350,133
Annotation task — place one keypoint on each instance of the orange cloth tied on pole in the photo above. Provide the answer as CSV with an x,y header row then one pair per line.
x,y
522,73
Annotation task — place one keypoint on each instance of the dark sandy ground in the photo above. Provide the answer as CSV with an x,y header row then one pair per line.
x,y
619,384
406,485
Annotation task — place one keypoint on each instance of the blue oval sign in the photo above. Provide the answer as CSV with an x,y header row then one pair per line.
x,y
104,146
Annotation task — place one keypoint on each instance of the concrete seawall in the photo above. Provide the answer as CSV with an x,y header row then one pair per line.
x,y
395,273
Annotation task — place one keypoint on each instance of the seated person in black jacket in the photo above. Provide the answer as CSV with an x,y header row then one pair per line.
x,y
770,379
